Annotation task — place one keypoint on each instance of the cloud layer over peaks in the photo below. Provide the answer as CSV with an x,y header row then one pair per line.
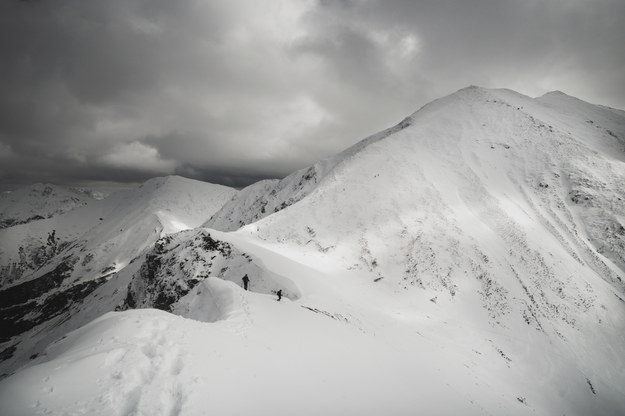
x,y
233,92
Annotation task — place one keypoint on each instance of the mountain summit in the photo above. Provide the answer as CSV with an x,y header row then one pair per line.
x,y
479,162
469,260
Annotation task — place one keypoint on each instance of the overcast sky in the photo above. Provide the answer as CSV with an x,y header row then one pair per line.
x,y
235,91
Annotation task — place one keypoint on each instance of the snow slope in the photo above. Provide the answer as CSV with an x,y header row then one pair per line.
x,y
343,347
38,201
466,261
110,232
91,243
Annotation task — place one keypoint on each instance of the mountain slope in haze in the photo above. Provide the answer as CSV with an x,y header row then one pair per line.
x,y
39,201
108,233
467,261
48,265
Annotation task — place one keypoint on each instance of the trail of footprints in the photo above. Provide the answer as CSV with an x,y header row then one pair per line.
x,y
151,386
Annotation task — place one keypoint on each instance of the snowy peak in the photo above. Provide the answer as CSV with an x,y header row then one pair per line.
x,y
559,98
268,197
178,203
498,118
479,163
554,93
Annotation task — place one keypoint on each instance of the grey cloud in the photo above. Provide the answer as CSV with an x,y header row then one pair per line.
x,y
239,91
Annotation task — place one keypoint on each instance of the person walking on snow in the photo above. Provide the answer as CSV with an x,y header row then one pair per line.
x,y
279,293
246,280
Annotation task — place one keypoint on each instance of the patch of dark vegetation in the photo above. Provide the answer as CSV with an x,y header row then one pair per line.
x,y
580,197
310,174
165,277
18,318
150,267
129,302
7,353
592,388
335,316
504,356
611,133
31,289
10,222
13,322
87,259
494,296
282,206
60,302
108,269
531,309
33,256
210,244
165,299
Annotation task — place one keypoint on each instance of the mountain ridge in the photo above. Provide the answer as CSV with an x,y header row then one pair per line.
x,y
475,251
38,201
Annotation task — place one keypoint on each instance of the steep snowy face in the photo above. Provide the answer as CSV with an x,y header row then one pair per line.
x,y
499,208
38,201
518,201
267,197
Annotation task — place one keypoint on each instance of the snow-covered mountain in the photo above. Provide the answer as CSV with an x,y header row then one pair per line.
x,y
469,260
50,264
37,202
105,234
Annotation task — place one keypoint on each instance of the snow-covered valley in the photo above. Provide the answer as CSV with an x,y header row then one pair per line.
x,y
470,260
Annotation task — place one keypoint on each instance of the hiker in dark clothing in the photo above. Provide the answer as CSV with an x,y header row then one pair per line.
x,y
246,280
279,293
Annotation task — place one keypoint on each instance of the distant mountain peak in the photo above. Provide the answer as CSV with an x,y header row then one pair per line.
x,y
555,93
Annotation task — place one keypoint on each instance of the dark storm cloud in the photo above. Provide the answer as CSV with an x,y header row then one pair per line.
x,y
233,92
